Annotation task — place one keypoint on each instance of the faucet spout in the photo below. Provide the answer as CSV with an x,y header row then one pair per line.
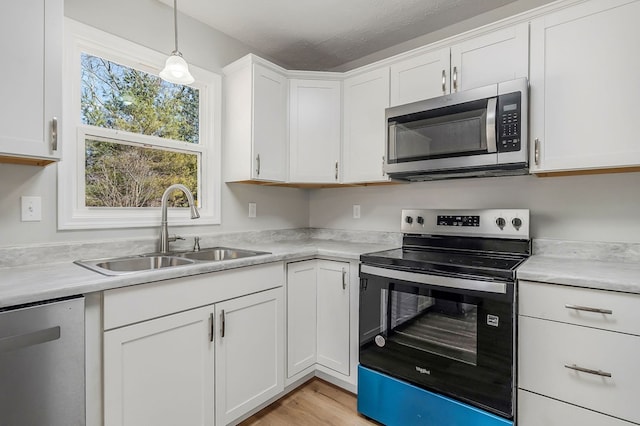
x,y
164,229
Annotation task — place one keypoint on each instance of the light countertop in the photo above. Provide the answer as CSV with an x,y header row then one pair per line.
x,y
34,283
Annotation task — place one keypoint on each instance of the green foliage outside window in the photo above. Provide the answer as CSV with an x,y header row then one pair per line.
x,y
122,174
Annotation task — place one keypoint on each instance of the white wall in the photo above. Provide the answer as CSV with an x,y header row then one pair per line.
x,y
149,23
580,208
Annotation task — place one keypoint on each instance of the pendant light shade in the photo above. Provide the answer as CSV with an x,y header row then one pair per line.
x,y
176,69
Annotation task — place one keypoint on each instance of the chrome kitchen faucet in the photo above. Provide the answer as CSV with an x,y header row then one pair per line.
x,y
164,230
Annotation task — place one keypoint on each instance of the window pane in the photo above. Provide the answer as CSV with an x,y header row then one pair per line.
x,y
114,96
119,175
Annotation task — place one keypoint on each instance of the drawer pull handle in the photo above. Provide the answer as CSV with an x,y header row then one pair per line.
x,y
588,309
587,370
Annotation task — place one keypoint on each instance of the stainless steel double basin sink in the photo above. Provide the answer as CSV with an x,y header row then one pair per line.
x,y
148,262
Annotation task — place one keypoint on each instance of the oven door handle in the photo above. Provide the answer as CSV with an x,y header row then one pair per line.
x,y
436,280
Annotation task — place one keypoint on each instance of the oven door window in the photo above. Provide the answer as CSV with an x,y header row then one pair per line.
x,y
429,323
450,132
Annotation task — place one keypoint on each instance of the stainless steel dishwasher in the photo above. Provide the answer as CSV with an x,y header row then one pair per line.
x,y
42,364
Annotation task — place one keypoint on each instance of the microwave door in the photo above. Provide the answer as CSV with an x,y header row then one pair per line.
x,y
455,137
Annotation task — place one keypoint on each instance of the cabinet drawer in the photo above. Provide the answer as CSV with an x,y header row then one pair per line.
x,y
563,303
537,410
128,305
545,347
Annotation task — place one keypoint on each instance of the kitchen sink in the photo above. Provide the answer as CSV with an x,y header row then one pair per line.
x,y
219,253
126,265
148,262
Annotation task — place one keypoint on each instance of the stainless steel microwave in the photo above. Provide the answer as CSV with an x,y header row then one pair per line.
x,y
478,132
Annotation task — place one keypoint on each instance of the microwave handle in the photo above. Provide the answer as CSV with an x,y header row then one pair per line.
x,y
491,125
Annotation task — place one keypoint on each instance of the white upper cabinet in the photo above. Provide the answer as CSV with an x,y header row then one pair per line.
x,y
501,55
488,58
420,77
584,87
255,122
314,130
363,144
31,79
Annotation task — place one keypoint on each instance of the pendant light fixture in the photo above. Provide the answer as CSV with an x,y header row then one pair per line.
x,y
176,69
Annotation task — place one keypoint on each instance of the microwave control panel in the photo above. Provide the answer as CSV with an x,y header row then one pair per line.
x,y
509,122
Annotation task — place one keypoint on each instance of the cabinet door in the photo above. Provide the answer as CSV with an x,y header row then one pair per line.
x,y
365,98
249,353
315,131
269,131
31,79
584,107
333,315
421,77
160,372
301,316
491,58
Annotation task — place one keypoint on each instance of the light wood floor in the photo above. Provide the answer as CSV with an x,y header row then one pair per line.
x,y
316,403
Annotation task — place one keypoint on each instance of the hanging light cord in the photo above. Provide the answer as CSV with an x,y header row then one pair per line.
x,y
175,26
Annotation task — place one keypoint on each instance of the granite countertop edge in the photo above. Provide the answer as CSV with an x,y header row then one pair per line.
x,y
36,283
585,273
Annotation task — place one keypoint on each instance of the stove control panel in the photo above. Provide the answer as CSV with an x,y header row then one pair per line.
x,y
501,223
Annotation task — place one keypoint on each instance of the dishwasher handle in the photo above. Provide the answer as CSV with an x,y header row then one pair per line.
x,y
20,341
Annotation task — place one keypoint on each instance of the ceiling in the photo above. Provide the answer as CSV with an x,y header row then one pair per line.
x,y
324,34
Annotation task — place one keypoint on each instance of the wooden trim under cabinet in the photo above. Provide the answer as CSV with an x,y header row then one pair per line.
x,y
25,161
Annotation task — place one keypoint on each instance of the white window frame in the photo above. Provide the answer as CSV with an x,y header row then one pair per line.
x,y
72,212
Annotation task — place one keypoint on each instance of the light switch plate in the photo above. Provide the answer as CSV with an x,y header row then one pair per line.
x,y
252,210
31,209
356,211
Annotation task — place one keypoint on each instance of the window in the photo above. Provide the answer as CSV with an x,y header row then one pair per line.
x,y
128,135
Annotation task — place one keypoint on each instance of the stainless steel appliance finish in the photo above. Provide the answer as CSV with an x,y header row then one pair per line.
x,y
439,312
42,364
479,132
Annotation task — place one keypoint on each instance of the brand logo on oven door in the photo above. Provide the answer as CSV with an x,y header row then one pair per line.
x,y
423,370
493,320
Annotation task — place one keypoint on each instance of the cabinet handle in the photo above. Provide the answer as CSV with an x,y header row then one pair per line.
x,y
536,152
444,82
211,333
54,133
258,165
588,309
455,79
383,173
587,370
344,279
222,323
337,170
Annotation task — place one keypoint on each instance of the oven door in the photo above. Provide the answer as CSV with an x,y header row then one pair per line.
x,y
456,341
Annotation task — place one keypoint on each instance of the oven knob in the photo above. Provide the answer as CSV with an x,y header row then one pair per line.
x,y
408,219
420,220
380,340
501,223
516,222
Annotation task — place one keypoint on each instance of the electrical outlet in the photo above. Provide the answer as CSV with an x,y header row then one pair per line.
x,y
252,210
356,211
31,209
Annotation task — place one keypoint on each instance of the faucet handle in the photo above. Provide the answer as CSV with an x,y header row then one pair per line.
x,y
173,238
196,243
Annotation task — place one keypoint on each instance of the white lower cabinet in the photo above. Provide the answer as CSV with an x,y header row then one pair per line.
x,y
249,345
333,315
318,319
159,348
538,410
571,362
160,372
